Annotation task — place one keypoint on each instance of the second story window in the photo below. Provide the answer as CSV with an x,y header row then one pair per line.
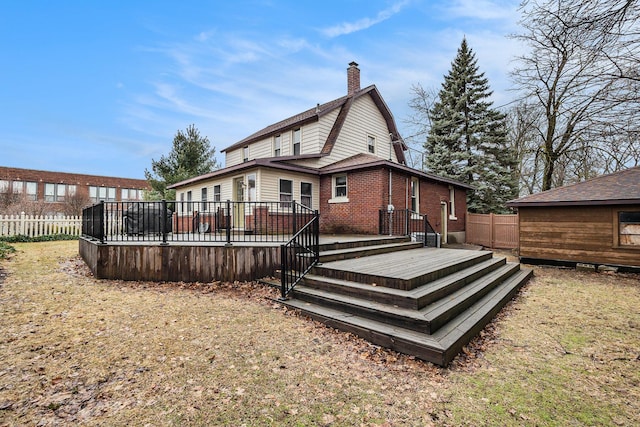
x,y
245,154
371,143
415,201
296,136
216,193
276,145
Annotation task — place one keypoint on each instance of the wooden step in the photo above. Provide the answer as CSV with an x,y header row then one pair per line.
x,y
416,298
427,319
439,348
362,251
404,270
381,240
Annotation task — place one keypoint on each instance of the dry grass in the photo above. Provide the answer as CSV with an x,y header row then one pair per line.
x,y
75,349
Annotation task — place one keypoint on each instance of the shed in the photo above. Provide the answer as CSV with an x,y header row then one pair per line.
x,y
595,221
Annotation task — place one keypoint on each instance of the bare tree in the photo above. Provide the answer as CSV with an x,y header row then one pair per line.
x,y
581,72
419,122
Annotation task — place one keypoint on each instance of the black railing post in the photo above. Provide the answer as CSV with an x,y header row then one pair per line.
x,y
295,220
316,231
101,222
283,271
407,217
424,228
228,221
163,226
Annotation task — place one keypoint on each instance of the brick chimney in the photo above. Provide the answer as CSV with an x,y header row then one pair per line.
x,y
353,78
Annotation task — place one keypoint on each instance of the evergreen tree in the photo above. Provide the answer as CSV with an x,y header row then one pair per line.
x,y
468,139
190,156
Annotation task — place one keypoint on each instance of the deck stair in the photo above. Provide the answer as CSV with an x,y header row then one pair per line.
x,y
426,302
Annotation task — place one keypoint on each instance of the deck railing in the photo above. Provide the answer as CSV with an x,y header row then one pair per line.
x,y
301,253
405,222
190,221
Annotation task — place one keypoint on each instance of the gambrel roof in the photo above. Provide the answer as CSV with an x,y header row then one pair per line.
x,y
614,189
313,115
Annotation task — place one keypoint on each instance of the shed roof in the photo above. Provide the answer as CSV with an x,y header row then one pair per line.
x,y
614,189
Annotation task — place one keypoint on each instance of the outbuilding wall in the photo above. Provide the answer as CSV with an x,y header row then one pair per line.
x,y
575,234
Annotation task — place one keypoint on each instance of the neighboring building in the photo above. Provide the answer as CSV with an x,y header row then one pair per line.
x,y
344,158
595,221
59,188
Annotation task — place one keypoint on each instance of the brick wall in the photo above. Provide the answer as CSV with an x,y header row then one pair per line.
x,y
81,181
368,192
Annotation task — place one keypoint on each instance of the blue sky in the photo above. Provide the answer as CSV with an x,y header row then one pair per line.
x,y
102,87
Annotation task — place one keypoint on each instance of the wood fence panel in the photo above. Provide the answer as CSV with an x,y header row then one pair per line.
x,y
493,231
36,225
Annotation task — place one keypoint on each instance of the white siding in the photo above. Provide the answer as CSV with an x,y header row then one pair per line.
x,y
267,186
270,185
310,144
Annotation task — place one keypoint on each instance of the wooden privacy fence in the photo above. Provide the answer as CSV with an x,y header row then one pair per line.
x,y
493,231
36,225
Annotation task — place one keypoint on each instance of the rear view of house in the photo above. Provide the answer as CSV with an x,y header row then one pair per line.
x,y
344,158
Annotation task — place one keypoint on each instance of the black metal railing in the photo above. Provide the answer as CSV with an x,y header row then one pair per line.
x,y
300,254
405,222
191,221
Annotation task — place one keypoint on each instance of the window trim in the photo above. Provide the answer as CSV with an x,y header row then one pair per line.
x,y
371,144
415,194
277,145
616,229
245,153
217,195
309,195
285,204
452,203
297,131
335,198
203,199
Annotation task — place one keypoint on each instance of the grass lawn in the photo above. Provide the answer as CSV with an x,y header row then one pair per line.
x,y
77,350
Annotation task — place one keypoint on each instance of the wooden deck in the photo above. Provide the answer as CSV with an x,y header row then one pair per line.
x,y
425,302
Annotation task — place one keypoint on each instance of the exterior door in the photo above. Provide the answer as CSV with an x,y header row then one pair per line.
x,y
444,220
238,208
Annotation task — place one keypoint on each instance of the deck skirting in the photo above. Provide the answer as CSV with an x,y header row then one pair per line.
x,y
179,263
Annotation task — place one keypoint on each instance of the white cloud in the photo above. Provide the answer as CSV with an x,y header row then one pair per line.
x,y
364,23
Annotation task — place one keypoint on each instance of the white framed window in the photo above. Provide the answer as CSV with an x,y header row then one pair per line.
x,y
203,199
124,194
111,194
71,190
339,191
452,203
295,140
371,143
4,186
245,154
189,204
18,187
415,194
49,192
102,193
305,194
216,193
286,193
32,190
251,187
277,145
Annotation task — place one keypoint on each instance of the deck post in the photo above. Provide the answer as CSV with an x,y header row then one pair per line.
x,y
228,222
163,225
101,222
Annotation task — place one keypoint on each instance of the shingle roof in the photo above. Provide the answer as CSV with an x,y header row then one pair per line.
x,y
614,189
314,114
366,160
